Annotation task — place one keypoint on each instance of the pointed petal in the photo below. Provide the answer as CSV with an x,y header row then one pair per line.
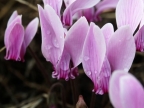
x,y
139,39
121,49
15,40
30,31
75,7
13,16
101,79
52,34
108,31
94,51
129,12
131,92
10,27
75,39
105,5
114,88
122,90
55,4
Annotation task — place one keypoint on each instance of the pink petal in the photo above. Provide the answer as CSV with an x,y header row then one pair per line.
x,y
62,69
52,34
75,7
129,12
139,39
10,27
131,92
125,91
55,4
89,14
108,31
75,39
13,16
101,79
14,42
30,31
105,5
94,51
121,49
114,88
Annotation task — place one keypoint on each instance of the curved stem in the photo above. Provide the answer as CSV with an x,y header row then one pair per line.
x,y
62,92
40,66
3,48
93,97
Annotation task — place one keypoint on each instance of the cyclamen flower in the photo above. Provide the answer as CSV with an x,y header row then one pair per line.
x,y
104,52
125,91
62,49
130,12
72,7
17,39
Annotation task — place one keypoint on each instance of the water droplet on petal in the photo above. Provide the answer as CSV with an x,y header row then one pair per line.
x,y
89,72
95,72
48,47
86,58
55,43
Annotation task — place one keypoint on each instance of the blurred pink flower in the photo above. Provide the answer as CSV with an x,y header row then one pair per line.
x,y
17,39
125,91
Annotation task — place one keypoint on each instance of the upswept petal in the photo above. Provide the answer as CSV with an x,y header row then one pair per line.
x,y
15,39
55,4
108,31
10,27
121,49
94,51
114,88
30,31
13,16
75,7
102,79
131,92
105,5
139,39
75,39
129,12
125,91
52,34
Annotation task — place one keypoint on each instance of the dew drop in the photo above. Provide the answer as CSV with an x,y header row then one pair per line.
x,y
55,43
48,47
86,58
89,72
95,72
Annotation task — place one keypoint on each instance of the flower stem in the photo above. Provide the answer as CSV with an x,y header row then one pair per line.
x,y
40,66
3,48
62,92
93,97
74,92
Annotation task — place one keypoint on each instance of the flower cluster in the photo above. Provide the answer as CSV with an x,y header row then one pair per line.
x,y
101,51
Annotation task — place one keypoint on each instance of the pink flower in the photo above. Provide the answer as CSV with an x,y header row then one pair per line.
x,y
105,51
62,48
125,91
16,38
130,12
